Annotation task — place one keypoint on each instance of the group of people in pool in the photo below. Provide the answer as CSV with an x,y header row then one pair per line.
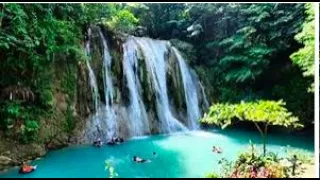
x,y
112,141
118,140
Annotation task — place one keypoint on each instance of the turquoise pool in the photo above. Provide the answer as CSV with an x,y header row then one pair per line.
x,y
178,155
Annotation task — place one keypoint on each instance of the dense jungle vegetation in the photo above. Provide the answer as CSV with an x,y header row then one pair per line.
x,y
242,52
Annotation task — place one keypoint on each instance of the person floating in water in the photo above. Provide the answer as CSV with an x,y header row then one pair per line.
x,y
98,143
24,168
140,160
119,140
115,141
217,150
154,154
112,141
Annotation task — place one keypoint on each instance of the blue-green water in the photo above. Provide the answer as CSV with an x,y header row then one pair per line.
x,y
178,155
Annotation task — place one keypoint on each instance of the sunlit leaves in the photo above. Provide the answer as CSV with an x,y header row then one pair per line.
x,y
122,20
304,57
262,111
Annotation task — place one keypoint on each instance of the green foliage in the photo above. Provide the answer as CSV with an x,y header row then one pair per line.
x,y
29,131
293,92
251,164
212,175
70,124
262,111
10,112
18,120
265,166
163,21
123,20
109,167
305,56
31,37
68,85
117,17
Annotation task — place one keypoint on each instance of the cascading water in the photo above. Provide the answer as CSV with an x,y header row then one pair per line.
x,y
132,119
190,91
109,121
103,121
95,122
154,52
139,124
92,77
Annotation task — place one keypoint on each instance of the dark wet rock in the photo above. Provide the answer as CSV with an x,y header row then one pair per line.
x,y
140,31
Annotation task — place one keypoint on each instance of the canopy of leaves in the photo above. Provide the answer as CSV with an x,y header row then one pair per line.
x,y
262,111
304,57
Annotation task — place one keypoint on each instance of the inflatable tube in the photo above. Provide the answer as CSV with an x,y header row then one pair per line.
x,y
33,168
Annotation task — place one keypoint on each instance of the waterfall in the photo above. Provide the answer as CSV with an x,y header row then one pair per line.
x,y
132,118
110,124
92,77
154,52
94,122
103,122
190,91
139,124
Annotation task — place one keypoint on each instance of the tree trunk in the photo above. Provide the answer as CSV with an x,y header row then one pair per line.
x,y
264,144
265,140
263,135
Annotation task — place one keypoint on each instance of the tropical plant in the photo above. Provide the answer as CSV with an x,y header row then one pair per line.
x,y
262,114
10,112
250,164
